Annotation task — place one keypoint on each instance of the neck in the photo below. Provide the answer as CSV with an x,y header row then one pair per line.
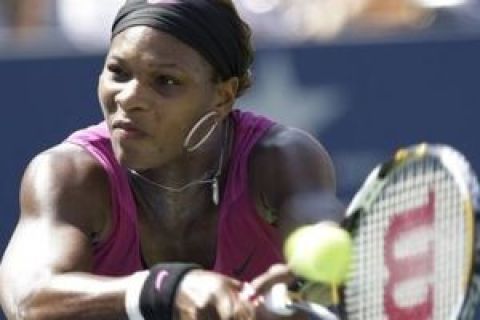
x,y
192,170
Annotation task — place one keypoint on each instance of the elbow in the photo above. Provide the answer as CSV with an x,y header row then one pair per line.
x,y
34,305
15,309
23,306
27,309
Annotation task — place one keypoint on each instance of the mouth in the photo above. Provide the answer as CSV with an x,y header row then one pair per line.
x,y
127,129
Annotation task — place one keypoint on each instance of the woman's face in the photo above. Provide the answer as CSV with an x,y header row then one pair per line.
x,y
153,88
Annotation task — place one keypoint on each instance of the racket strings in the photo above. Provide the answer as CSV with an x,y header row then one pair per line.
x,y
411,187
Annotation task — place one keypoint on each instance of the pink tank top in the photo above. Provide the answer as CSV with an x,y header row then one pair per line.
x,y
246,244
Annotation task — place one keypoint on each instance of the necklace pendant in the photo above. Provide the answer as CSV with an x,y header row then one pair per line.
x,y
215,196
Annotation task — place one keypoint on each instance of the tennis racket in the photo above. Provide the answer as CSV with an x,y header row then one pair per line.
x,y
413,229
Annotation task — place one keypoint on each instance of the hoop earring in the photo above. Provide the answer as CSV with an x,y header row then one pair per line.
x,y
195,128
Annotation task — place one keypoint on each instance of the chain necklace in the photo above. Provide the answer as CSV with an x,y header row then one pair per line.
x,y
213,180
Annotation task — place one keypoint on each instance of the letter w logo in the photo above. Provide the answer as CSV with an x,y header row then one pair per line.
x,y
414,264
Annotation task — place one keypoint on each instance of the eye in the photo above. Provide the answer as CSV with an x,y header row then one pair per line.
x,y
118,73
165,80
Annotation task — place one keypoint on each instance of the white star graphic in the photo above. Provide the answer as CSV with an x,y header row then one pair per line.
x,y
276,93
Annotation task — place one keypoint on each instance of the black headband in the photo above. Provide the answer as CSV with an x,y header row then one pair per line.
x,y
206,27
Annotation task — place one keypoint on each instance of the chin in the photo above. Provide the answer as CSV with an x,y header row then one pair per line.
x,y
128,158
125,161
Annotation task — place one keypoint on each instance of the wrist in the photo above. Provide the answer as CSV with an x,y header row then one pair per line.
x,y
151,294
132,295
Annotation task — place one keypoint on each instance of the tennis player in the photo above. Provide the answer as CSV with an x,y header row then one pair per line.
x,y
177,205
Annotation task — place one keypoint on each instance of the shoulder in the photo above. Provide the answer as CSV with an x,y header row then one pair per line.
x,y
286,148
280,138
65,183
65,165
288,161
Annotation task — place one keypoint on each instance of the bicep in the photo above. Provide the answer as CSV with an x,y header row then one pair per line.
x,y
39,243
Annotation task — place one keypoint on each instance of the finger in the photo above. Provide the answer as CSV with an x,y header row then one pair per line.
x,y
231,305
279,273
242,309
225,303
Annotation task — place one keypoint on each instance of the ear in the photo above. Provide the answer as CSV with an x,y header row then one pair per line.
x,y
226,94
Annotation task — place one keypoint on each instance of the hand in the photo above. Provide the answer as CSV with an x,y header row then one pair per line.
x,y
262,285
278,273
205,295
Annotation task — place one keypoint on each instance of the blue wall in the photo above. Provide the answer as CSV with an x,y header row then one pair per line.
x,y
379,96
42,100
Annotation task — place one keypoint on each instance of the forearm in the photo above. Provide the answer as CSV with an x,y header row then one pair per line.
x,y
73,296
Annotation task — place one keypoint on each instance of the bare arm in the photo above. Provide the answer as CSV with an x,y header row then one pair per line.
x,y
45,269
294,180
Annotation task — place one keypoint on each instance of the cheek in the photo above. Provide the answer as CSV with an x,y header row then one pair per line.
x,y
105,96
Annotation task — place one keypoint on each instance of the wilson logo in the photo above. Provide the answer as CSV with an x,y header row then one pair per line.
x,y
407,267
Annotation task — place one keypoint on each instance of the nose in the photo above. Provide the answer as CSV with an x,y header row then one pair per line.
x,y
131,96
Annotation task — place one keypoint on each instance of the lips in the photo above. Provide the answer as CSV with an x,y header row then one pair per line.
x,y
127,129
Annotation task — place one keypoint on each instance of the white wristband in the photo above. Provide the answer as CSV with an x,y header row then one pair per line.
x,y
132,295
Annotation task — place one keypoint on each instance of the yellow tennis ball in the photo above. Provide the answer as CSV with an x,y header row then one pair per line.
x,y
319,253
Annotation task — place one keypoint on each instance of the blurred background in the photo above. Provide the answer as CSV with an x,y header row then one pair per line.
x,y
364,76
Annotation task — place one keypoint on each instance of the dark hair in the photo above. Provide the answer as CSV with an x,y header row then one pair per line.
x,y
212,27
247,51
